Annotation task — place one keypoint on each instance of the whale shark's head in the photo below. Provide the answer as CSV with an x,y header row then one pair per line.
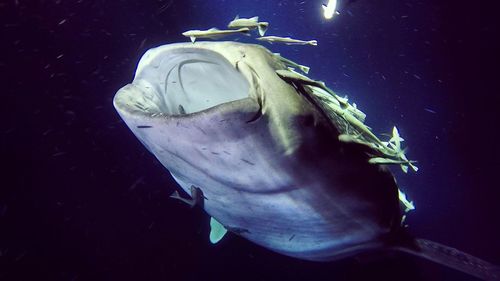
x,y
175,81
266,157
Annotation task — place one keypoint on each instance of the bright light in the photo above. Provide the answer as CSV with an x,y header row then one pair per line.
x,y
330,9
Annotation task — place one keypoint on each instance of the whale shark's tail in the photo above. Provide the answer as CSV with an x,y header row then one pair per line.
x,y
453,258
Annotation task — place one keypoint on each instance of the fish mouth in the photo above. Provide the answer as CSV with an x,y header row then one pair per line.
x,y
179,81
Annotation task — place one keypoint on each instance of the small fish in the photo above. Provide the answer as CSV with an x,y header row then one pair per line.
x,y
213,33
430,110
251,23
403,162
408,204
330,9
57,154
287,40
137,182
292,64
381,160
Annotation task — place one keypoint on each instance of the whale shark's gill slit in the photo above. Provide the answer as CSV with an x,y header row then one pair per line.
x,y
257,89
257,115
252,70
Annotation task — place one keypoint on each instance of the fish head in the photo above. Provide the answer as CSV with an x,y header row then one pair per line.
x,y
233,24
266,158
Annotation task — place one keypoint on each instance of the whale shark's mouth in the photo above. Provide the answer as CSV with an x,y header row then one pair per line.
x,y
182,81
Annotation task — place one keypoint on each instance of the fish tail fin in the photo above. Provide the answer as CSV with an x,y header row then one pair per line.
x,y
454,258
312,42
304,69
263,27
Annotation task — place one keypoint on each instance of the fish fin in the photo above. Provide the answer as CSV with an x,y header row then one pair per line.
x,y
324,6
175,195
217,231
454,258
304,69
413,167
404,168
192,38
255,18
237,17
263,28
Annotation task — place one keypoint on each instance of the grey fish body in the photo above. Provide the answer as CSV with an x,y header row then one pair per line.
x,y
276,171
266,156
287,40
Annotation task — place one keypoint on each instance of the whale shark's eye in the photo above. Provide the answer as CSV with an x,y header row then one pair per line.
x,y
184,81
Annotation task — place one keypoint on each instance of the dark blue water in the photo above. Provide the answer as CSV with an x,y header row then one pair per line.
x,y
81,199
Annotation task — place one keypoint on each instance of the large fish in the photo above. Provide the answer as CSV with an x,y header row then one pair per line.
x,y
270,155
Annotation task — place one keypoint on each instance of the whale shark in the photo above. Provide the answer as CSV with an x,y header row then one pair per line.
x,y
274,156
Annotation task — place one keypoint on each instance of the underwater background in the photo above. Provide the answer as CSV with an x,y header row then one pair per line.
x,y
82,199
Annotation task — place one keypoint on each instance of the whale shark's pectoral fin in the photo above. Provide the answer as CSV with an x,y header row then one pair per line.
x,y
197,197
217,231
